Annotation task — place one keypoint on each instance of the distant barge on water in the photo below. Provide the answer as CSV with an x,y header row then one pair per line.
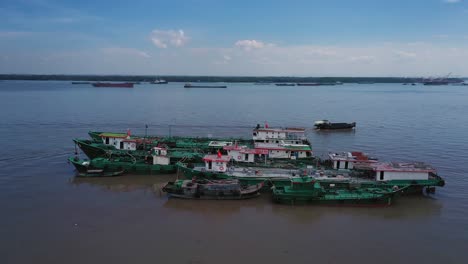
x,y
120,85
327,125
189,85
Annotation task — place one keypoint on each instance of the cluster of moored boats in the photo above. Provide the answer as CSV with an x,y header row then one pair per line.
x,y
276,160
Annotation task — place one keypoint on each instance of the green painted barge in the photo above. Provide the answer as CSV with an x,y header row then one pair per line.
x,y
413,177
160,161
310,191
204,189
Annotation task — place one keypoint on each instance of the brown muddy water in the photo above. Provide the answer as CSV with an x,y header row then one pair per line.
x,y
49,216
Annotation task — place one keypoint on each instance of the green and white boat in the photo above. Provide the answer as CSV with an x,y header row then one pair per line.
x,y
414,177
310,191
418,175
104,143
160,161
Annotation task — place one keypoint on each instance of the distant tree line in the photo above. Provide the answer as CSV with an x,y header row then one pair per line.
x,y
234,79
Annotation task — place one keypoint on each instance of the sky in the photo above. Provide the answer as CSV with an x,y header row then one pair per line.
x,y
407,38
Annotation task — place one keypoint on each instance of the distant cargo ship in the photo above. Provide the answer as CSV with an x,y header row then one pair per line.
x,y
319,84
308,84
285,84
120,85
189,85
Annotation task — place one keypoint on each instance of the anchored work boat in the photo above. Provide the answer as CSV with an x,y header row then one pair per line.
x,y
212,189
309,190
327,125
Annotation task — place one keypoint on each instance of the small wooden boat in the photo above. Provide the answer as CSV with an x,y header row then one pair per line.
x,y
212,189
189,85
325,124
118,85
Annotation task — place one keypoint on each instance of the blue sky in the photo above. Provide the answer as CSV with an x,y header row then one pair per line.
x,y
298,38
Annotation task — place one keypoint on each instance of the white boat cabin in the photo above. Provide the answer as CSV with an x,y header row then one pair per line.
x,y
285,151
216,163
160,156
402,171
119,141
266,133
350,160
244,154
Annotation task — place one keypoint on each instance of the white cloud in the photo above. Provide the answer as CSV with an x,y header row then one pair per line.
x,y
371,59
362,58
126,51
163,38
451,1
404,54
247,44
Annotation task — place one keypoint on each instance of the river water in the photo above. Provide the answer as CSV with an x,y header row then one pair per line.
x,y
48,216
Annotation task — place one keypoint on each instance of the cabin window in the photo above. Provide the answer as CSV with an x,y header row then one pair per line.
x,y
121,145
346,165
254,133
246,157
381,175
210,165
338,164
107,140
277,141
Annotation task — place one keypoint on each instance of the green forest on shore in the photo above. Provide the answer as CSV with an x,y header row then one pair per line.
x,y
230,79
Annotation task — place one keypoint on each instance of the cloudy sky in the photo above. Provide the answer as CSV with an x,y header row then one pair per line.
x,y
241,38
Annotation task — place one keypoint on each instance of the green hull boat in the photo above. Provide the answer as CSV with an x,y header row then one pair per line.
x,y
309,191
118,166
329,178
204,189
86,169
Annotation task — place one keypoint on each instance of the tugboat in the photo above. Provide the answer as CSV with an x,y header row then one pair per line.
x,y
204,189
325,124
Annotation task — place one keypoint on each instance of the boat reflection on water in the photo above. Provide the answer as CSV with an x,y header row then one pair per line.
x,y
405,207
220,207
127,183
